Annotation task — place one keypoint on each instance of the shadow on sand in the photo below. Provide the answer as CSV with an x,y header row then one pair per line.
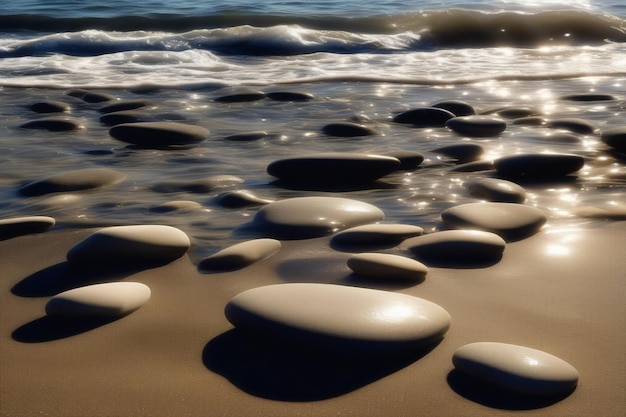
x,y
47,329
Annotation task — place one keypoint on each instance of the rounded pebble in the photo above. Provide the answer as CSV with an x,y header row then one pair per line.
x,y
425,117
387,266
289,96
538,165
305,217
615,137
517,112
477,126
240,198
248,136
457,107
572,124
49,107
201,186
510,220
123,105
462,152
334,317
19,226
241,254
241,96
348,130
497,190
93,96
377,233
409,160
181,206
82,179
456,245
529,121
158,134
99,301
137,244
121,117
53,124
519,369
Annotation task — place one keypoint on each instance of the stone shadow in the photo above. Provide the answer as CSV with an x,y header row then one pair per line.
x,y
47,329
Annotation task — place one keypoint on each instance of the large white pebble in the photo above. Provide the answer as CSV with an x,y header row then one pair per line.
x,y
99,301
516,368
339,317
386,265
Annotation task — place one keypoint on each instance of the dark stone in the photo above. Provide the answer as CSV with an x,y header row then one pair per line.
x,y
159,134
347,129
477,126
120,117
123,105
425,117
463,152
52,124
615,138
247,137
83,179
458,108
409,160
241,96
538,166
572,124
49,107
588,97
289,96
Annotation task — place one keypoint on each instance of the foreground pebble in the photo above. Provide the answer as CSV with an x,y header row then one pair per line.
x,y
241,254
387,266
520,369
19,226
82,179
99,301
124,245
338,317
158,134
456,245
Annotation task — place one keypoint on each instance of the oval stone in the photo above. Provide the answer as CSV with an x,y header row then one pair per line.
x,y
339,167
517,112
99,301
458,108
49,107
123,105
19,226
477,126
289,96
240,198
462,152
241,254
53,124
377,233
338,317
512,221
538,165
181,206
241,96
121,117
348,130
158,134
572,124
305,217
82,179
387,266
497,190
248,136
588,97
474,166
519,369
461,245
615,138
425,117
530,121
137,244
92,96
409,160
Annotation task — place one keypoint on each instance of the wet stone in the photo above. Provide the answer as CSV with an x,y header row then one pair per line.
x,y
529,121
248,136
497,190
49,107
456,245
159,134
572,124
588,97
457,107
26,225
307,217
387,266
241,96
517,112
477,126
240,198
336,167
511,221
289,96
463,152
514,368
99,301
241,255
93,97
538,166
180,206
200,186
377,233
348,130
121,117
425,117
123,105
83,179
474,166
615,138
409,160
335,317
130,245
53,124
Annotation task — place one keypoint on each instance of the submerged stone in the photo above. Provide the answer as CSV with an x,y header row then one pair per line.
x,y
462,152
538,165
409,160
588,97
497,190
199,186
159,134
82,179
240,198
615,138
49,107
425,117
572,124
348,130
241,254
53,124
123,105
248,136
241,96
181,206
387,266
121,117
289,96
477,126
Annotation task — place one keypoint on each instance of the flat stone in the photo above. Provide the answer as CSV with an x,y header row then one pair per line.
x,y
19,226
456,245
200,186
180,206
82,179
519,369
289,96
305,217
348,130
137,244
93,96
477,126
588,97
337,167
530,121
121,117
572,124
58,200
158,134
517,112
538,165
122,105
99,301
241,96
462,152
248,136
512,221
493,189
241,254
49,107
607,212
53,124
387,266
425,117
458,108
335,317
615,137
240,198
409,160
377,233
474,166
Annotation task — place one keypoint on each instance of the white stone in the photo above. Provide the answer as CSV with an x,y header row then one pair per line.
x,y
242,254
516,368
339,317
18,226
387,266
453,245
99,301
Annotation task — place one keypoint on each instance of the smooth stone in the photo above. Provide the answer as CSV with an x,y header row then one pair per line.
x,y
517,112
241,96
289,96
241,254
240,198
561,137
58,200
181,206
53,124
474,166
159,134
458,108
493,189
123,105
519,369
377,233
462,152
121,117
615,138
425,117
510,220
588,97
248,136
49,107
335,317
201,186
409,160
530,121
95,97
348,130
477,126
572,124
137,244
538,165
338,167
456,245
304,217
99,301
82,179
387,266
19,226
